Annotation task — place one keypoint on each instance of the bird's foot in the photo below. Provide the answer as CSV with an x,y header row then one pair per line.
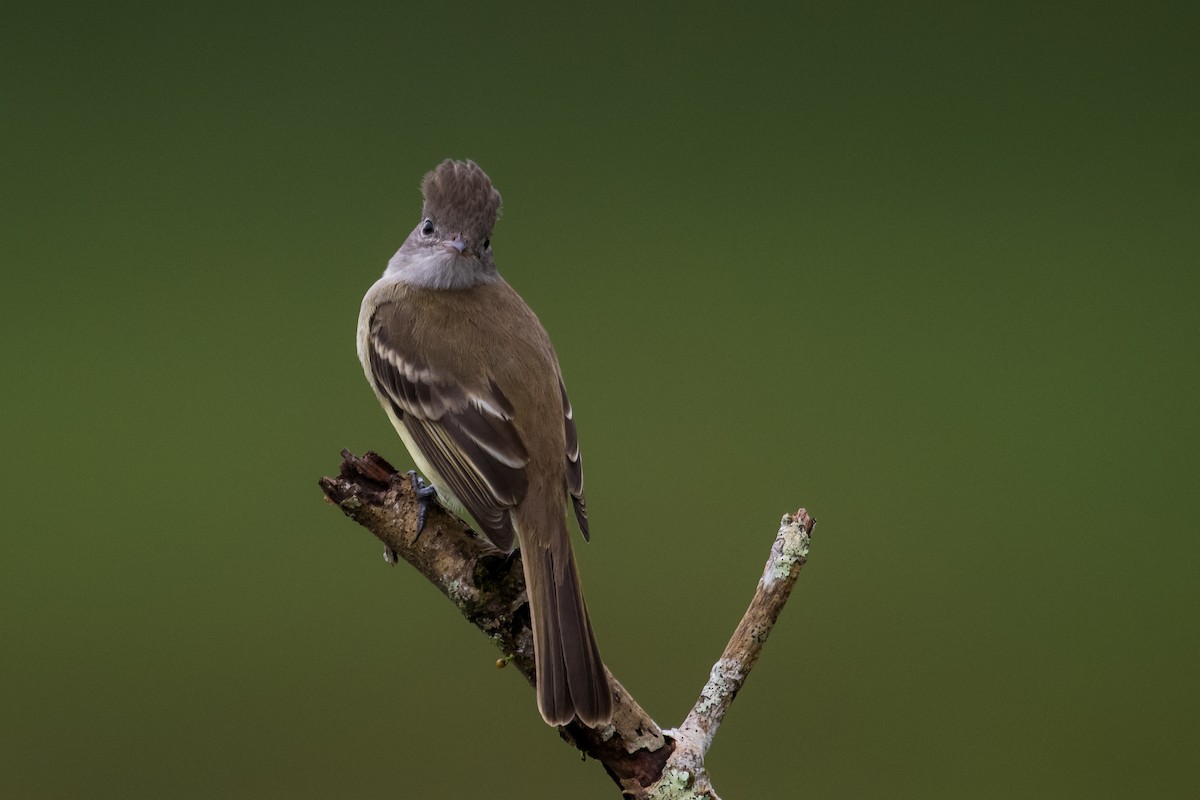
x,y
425,494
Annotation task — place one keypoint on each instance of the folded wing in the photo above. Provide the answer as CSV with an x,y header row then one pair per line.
x,y
465,433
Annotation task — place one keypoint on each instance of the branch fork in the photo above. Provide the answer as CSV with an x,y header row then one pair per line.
x,y
646,762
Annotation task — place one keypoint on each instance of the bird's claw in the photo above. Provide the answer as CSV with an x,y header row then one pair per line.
x,y
425,494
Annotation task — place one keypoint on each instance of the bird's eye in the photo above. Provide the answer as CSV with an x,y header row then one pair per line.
x,y
427,227
487,243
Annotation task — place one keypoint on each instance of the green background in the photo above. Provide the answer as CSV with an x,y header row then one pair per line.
x,y
931,272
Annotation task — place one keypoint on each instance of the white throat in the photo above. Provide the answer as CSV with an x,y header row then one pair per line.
x,y
437,268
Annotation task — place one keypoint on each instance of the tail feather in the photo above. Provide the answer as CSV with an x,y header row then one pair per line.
x,y
571,680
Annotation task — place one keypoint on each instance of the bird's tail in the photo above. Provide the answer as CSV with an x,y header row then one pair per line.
x,y
571,679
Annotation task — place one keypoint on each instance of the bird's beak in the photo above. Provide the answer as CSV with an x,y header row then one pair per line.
x,y
456,244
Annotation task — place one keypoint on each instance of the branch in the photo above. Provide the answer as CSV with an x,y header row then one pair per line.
x,y
693,738
488,588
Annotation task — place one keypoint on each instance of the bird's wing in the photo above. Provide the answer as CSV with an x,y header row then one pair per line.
x,y
574,463
465,432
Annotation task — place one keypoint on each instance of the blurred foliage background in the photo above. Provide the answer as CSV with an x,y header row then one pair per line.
x,y
930,271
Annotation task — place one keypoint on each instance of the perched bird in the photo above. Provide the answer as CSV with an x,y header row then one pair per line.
x,y
467,375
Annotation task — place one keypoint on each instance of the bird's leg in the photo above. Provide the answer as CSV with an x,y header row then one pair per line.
x,y
425,494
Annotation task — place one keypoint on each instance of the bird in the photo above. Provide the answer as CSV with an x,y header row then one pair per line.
x,y
470,380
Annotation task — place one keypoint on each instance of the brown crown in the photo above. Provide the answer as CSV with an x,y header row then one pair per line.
x,y
459,197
